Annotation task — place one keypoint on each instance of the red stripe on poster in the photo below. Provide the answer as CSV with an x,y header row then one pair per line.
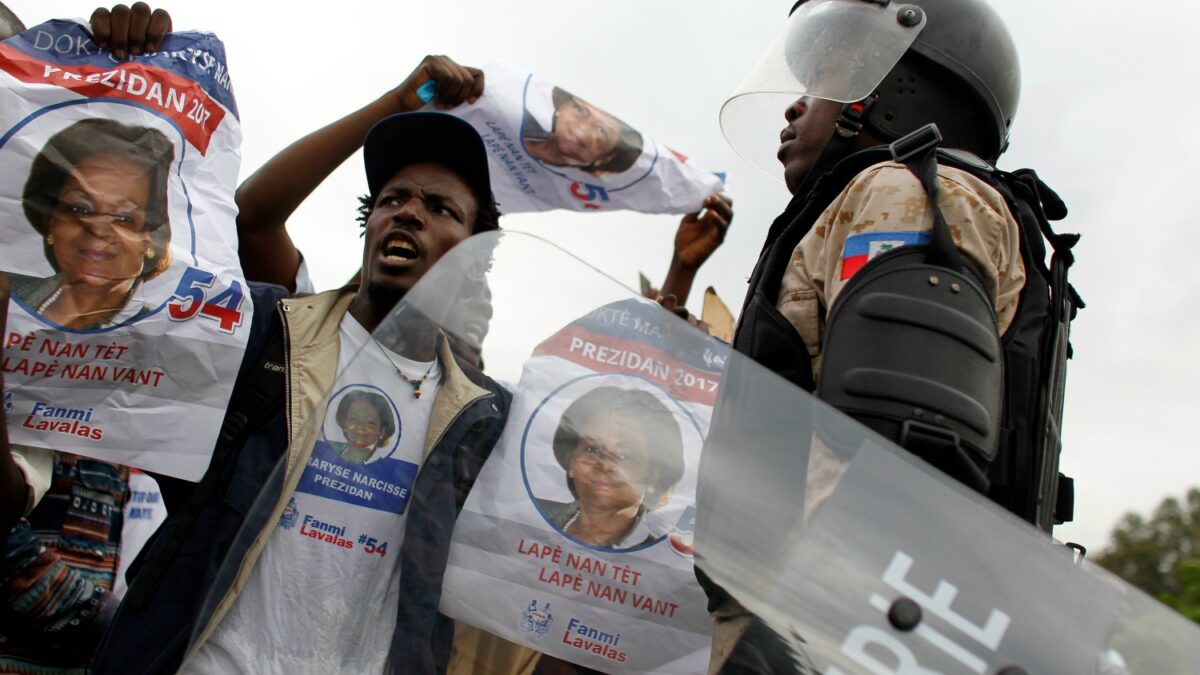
x,y
175,97
607,354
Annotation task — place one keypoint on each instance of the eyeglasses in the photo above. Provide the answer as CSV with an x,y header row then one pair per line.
x,y
598,456
82,214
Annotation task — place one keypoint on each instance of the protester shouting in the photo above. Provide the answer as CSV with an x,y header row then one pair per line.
x,y
428,183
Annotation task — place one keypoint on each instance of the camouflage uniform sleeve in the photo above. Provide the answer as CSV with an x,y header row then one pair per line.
x,y
887,200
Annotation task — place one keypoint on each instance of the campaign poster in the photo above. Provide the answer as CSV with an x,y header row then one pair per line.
x,y
128,316
551,149
576,540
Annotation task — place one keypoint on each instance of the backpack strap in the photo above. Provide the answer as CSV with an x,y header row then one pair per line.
x,y
918,152
255,399
1051,207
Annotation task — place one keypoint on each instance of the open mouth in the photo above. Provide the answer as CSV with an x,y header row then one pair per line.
x,y
399,247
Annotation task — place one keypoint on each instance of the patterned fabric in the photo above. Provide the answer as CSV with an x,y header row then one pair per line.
x,y
58,567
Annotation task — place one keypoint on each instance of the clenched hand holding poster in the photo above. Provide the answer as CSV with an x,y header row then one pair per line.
x,y
550,149
576,539
128,316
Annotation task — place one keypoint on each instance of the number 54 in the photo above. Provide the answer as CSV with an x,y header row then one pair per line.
x,y
191,297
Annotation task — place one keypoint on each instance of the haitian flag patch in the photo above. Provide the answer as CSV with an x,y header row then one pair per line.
x,y
862,248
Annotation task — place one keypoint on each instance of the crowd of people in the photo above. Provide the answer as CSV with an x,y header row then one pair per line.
x,y
221,586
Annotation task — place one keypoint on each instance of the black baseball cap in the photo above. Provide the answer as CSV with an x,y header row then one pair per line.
x,y
412,138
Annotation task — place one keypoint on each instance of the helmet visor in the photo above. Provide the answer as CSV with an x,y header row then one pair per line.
x,y
838,50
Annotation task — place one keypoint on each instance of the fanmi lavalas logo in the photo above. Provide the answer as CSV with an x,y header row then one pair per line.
x,y
602,643
72,421
536,622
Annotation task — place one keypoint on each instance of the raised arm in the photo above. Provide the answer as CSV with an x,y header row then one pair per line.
x,y
698,236
267,199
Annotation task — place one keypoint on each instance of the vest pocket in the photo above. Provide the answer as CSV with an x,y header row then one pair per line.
x,y
768,338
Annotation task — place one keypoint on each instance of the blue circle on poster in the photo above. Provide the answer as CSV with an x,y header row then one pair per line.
x,y
618,441
368,422
143,206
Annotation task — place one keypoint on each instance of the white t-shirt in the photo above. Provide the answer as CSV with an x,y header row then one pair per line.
x,y
323,596
144,513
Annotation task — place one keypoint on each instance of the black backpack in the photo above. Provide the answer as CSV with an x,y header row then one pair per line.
x,y
1025,477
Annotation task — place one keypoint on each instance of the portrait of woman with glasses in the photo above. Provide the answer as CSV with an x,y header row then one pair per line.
x,y
97,195
622,452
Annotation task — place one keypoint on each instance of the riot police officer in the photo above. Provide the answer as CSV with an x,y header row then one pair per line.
x,y
869,90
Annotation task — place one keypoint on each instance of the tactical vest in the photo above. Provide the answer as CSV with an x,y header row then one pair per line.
x,y
1024,477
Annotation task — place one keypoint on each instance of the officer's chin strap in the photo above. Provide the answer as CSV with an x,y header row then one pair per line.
x,y
839,147
850,122
847,127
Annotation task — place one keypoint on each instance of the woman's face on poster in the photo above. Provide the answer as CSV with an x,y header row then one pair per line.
x,y
362,427
611,462
583,134
99,224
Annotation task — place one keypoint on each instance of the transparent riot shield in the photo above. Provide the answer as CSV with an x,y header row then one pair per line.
x,y
583,450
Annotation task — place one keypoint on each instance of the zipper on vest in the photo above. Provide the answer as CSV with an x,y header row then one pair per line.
x,y
206,634
282,309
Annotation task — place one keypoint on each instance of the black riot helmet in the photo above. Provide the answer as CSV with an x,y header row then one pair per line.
x,y
911,62
961,72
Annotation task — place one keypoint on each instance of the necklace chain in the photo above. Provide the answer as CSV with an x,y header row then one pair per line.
x,y
41,309
416,382
45,305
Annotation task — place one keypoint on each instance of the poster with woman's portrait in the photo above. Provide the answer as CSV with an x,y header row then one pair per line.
x,y
586,506
128,314
355,461
549,148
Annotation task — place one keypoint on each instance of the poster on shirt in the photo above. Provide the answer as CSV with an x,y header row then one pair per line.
x,y
550,149
576,539
338,540
129,313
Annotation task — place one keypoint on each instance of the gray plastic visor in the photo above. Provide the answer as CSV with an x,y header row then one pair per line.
x,y
839,50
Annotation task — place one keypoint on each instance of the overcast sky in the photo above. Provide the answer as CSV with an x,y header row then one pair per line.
x,y
1109,95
